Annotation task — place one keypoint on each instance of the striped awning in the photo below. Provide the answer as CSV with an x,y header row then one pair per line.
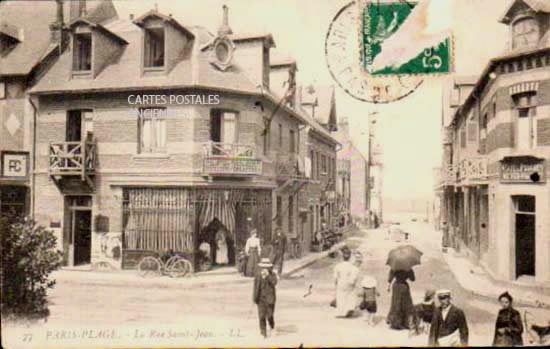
x,y
524,87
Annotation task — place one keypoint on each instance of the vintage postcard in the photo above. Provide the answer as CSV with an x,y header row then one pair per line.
x,y
291,173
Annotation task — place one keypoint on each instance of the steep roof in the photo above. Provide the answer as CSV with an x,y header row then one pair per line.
x,y
536,5
169,19
32,21
323,99
125,72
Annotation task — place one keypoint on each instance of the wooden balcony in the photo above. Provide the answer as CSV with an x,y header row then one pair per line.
x,y
225,159
473,170
445,176
287,166
72,159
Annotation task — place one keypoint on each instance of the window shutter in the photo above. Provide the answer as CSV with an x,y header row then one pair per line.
x,y
472,132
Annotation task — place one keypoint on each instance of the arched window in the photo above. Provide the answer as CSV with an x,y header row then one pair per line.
x,y
526,33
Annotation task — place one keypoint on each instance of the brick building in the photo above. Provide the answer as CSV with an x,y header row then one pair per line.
x,y
356,167
315,195
122,172
498,154
31,36
318,202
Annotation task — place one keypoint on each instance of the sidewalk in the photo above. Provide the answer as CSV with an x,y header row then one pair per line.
x,y
202,279
475,279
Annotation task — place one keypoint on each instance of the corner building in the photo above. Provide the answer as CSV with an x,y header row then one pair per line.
x,y
501,152
116,182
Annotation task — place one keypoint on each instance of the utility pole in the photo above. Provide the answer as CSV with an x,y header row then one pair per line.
x,y
372,121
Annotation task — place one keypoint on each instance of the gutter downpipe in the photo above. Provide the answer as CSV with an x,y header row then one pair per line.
x,y
33,180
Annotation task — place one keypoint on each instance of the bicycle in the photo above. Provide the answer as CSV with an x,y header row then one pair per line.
x,y
171,264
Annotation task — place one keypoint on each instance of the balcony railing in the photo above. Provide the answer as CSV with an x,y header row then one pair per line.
x,y
72,158
288,166
445,176
227,159
473,169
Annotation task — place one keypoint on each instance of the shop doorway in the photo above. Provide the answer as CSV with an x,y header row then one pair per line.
x,y
80,229
525,219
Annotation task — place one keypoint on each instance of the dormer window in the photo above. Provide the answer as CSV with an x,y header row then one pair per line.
x,y
82,53
9,37
526,33
6,44
154,48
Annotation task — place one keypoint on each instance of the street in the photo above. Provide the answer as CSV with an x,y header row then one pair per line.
x,y
225,315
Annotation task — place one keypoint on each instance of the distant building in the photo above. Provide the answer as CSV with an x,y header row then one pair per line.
x,y
358,172
315,194
496,164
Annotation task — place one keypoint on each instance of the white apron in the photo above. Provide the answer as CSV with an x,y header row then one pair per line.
x,y
451,340
346,275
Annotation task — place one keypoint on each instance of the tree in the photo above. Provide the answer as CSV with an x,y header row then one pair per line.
x,y
28,256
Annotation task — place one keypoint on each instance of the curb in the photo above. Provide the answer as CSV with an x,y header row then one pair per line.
x,y
186,283
518,299
321,255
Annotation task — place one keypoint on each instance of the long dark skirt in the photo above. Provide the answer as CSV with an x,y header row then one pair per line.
x,y
252,262
401,306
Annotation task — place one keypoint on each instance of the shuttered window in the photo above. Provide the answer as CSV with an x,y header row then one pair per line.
x,y
472,132
152,130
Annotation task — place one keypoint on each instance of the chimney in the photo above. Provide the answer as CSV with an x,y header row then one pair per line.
x,y
58,32
224,28
78,9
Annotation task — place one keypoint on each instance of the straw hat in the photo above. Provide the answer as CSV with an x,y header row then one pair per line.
x,y
444,293
265,263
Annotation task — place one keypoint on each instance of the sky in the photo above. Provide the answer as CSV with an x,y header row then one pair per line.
x,y
407,130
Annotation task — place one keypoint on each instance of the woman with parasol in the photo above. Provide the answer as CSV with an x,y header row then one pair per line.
x,y
401,260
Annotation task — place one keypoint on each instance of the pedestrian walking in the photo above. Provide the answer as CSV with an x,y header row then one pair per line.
x,y
265,295
252,250
449,327
279,247
401,300
345,280
445,237
508,327
369,293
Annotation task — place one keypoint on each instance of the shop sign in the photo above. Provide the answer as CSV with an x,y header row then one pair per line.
x,y
522,172
15,164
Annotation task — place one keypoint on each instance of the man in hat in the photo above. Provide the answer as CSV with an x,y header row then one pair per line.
x,y
449,327
264,295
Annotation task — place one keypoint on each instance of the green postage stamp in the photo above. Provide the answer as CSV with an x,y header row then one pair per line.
x,y
400,38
